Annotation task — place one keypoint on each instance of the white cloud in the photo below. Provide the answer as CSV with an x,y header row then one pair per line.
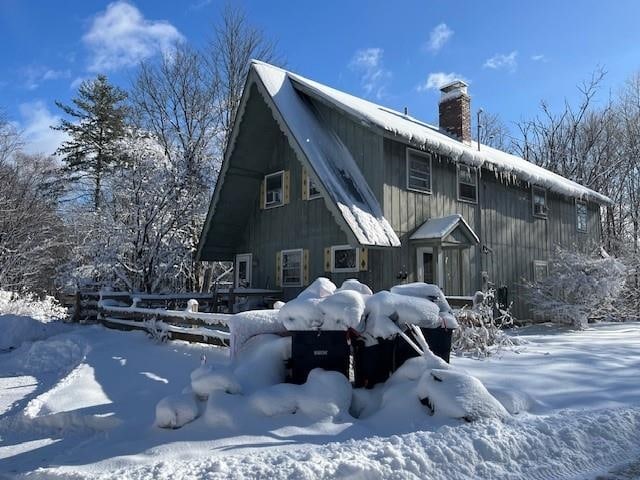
x,y
438,37
121,37
35,127
436,80
375,78
36,74
77,82
503,60
539,58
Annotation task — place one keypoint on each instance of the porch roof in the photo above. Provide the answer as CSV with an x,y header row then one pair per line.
x,y
452,230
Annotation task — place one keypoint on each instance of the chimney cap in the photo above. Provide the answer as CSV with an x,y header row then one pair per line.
x,y
456,85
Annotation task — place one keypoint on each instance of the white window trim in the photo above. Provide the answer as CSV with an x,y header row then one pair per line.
x,y
333,259
466,200
540,263
240,257
586,206
266,206
533,202
282,254
309,196
406,164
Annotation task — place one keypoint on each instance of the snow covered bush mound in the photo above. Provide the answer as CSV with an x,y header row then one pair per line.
x,y
579,288
24,318
176,410
481,327
44,310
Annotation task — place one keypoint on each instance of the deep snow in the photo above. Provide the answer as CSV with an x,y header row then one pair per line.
x,y
87,403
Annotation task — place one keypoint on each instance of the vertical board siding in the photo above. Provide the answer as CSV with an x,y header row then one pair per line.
x,y
503,219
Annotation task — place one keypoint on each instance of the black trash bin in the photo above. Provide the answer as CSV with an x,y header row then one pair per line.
x,y
372,364
438,339
326,349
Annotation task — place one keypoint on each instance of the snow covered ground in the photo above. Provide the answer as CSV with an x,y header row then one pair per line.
x,y
80,403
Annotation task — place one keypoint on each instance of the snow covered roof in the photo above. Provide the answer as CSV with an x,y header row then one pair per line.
x,y
442,227
332,166
424,135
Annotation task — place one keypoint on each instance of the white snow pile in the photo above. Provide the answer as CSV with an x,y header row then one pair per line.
x,y
322,306
176,410
23,318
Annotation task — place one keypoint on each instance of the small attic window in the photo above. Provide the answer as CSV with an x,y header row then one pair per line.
x,y
273,189
467,183
418,171
313,191
539,199
582,215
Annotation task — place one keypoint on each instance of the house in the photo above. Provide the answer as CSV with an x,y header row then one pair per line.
x,y
317,182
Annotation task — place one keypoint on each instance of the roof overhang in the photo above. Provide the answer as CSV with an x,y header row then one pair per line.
x,y
451,231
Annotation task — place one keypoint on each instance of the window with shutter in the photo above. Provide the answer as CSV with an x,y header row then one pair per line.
x,y
291,267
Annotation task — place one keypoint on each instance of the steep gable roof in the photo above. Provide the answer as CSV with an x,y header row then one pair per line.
x,y
423,135
327,160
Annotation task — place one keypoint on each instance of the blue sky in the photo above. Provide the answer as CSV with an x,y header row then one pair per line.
x,y
513,53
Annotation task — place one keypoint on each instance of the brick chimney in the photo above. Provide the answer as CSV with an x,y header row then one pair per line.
x,y
455,110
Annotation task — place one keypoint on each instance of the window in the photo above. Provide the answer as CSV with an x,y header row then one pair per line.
x,y
291,268
418,171
312,191
273,190
345,258
581,216
540,270
539,199
467,183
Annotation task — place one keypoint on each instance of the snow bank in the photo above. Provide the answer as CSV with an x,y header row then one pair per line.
x,y
455,394
205,380
261,362
176,410
17,329
325,394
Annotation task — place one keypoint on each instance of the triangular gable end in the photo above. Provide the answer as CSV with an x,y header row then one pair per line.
x,y
345,191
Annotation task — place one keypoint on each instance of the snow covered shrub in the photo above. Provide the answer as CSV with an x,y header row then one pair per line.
x,y
579,288
28,305
480,328
157,330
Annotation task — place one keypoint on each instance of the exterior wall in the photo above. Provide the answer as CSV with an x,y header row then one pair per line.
x,y
503,220
306,224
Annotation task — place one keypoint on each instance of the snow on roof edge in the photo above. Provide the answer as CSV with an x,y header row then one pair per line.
x,y
418,133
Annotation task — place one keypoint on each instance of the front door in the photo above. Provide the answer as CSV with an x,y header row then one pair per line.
x,y
426,265
243,270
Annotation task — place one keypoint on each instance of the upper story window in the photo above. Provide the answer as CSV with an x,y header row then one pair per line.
x,y
418,171
582,215
312,190
345,258
467,183
291,268
273,191
539,199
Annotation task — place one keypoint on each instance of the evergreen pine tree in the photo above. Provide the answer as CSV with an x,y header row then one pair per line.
x,y
97,121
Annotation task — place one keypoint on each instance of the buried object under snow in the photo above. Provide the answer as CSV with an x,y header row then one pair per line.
x,y
175,411
455,394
